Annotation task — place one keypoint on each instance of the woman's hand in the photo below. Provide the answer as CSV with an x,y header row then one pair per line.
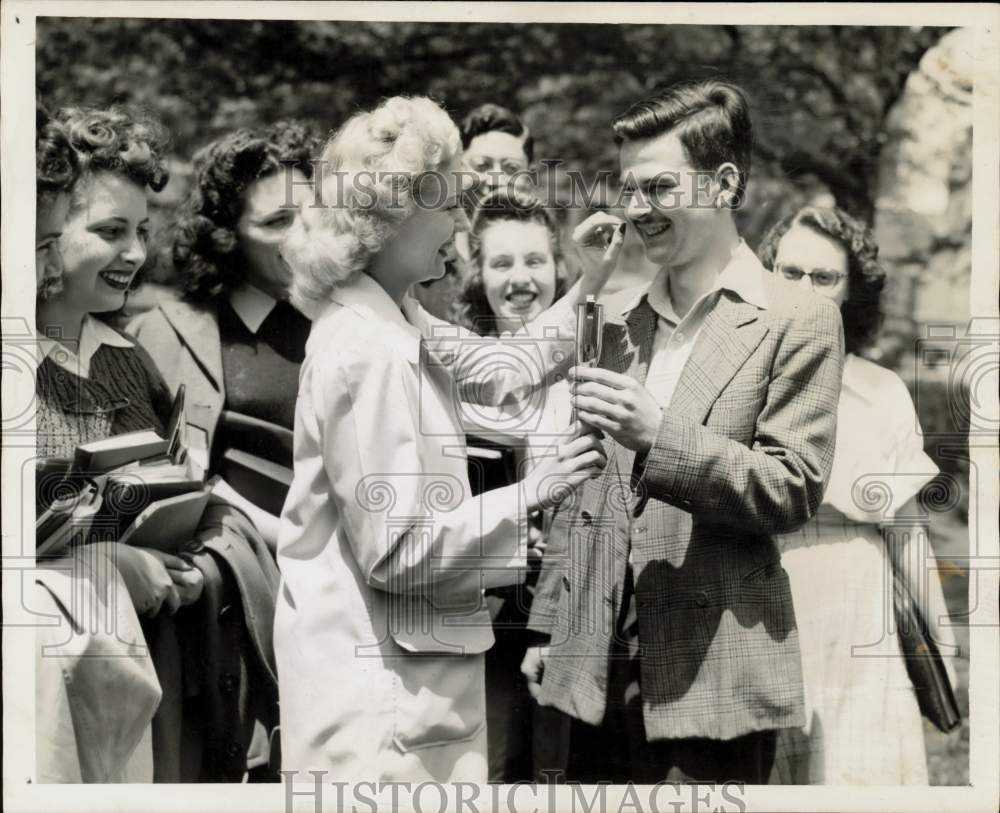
x,y
187,579
533,667
149,584
536,536
600,238
555,478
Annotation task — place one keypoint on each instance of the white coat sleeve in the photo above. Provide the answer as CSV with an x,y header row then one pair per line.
x,y
501,371
411,529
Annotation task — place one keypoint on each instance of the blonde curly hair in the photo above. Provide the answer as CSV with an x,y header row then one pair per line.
x,y
370,169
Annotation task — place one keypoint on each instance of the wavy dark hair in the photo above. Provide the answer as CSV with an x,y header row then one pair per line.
x,y
56,165
205,246
471,308
118,140
861,310
490,118
711,119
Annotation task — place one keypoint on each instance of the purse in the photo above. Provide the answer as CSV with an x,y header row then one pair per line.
x,y
935,694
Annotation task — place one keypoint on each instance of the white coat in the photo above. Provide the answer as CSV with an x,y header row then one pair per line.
x,y
381,624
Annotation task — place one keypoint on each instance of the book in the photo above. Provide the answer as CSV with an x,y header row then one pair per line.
x,y
145,445
117,450
52,482
175,426
67,521
166,525
129,489
262,482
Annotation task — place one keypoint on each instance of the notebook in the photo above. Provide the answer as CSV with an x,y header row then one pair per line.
x,y
166,525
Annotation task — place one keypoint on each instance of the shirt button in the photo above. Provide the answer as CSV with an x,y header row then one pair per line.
x,y
565,581
640,529
701,599
586,517
678,337
227,683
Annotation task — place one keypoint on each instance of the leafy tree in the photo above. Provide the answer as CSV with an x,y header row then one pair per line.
x,y
820,95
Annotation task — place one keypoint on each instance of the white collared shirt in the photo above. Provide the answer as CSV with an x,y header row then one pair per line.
x,y
675,337
252,305
93,334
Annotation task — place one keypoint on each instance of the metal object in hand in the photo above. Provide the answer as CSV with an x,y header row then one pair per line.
x,y
589,331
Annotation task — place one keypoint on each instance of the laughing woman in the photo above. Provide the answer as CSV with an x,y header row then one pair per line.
x,y
96,691
95,381
380,628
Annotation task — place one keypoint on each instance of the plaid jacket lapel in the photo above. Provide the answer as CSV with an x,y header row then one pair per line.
x,y
628,345
730,333
627,348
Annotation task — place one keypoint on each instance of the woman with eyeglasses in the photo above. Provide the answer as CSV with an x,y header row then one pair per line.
x,y
864,726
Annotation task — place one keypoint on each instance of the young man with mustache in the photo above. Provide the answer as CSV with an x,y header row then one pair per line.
x,y
671,641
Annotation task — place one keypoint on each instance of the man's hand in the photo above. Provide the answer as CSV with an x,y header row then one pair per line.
x,y
617,405
533,667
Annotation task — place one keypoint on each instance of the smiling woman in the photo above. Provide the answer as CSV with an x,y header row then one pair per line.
x,y
380,626
94,381
232,338
103,243
94,698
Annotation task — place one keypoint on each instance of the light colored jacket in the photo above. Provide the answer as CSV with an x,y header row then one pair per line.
x,y
384,553
184,341
95,685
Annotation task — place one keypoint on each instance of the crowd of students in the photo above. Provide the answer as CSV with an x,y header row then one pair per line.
x,y
641,589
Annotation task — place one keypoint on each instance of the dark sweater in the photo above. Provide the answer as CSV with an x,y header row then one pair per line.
x,y
261,370
124,393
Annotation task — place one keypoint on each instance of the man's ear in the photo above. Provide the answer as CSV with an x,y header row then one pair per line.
x,y
727,176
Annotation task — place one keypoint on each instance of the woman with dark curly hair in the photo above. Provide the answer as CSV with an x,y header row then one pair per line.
x,y
863,725
96,689
56,171
512,281
94,381
232,338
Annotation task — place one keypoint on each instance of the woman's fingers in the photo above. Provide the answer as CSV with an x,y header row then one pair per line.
x,y
600,230
615,244
172,599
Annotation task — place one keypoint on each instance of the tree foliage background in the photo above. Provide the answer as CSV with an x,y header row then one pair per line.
x,y
819,94
820,99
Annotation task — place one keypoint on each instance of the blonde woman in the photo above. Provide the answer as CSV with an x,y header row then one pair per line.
x,y
384,553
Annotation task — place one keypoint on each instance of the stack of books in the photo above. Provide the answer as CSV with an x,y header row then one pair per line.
x,y
137,488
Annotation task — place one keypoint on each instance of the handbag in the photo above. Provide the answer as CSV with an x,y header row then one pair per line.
x,y
935,694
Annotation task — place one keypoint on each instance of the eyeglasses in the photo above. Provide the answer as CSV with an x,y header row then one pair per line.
x,y
89,406
820,277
